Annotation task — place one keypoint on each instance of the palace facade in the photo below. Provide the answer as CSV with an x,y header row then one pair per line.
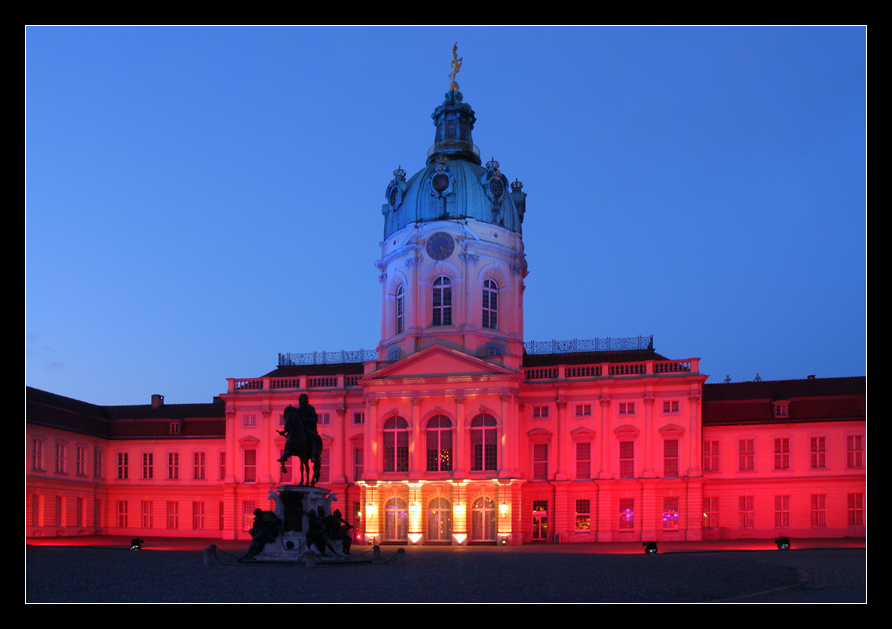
x,y
456,431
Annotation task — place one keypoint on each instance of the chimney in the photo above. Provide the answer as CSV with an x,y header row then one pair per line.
x,y
157,400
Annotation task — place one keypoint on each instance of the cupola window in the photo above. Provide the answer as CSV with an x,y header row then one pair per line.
x,y
490,305
442,301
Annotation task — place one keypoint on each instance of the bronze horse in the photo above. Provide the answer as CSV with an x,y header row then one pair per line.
x,y
302,443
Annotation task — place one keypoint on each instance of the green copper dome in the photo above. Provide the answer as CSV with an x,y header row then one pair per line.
x,y
453,185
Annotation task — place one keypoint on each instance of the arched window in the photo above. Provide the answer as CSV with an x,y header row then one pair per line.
x,y
484,443
396,445
490,305
483,520
396,520
439,444
400,309
439,520
442,301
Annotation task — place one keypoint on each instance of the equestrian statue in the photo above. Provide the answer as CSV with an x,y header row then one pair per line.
x,y
302,440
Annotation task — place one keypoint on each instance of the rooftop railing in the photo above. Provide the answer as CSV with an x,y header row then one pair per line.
x,y
590,345
327,358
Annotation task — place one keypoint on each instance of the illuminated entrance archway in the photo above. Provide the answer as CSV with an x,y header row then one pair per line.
x,y
483,520
396,521
439,520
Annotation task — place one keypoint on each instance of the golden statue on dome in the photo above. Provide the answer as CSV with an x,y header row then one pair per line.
x,y
456,66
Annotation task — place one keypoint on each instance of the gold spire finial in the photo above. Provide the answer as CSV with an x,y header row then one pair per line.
x,y
456,66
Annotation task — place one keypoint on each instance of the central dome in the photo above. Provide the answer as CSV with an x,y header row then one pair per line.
x,y
453,185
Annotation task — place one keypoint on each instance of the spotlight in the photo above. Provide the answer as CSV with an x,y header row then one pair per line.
x,y
136,543
650,548
783,543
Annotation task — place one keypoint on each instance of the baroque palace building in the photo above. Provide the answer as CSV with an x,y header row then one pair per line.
x,y
454,430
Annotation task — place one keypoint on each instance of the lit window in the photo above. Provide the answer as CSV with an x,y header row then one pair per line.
x,y
396,445
627,459
484,435
670,514
583,461
626,514
490,305
173,465
148,467
782,512
818,452
583,410
855,451
781,454
818,510
540,412
400,309
670,406
540,461
670,458
439,520
396,520
746,455
583,515
746,512
439,444
442,301
710,456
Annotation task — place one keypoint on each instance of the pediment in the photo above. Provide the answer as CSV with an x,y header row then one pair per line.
x,y
438,361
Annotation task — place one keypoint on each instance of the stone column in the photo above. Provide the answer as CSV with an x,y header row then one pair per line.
x,y
648,471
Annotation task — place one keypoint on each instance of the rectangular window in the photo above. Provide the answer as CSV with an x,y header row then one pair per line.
x,y
856,509
670,458
746,512
250,466
583,515
97,463
781,454
173,465
818,510
247,514
710,456
583,461
627,408
123,471
61,453
285,477
855,451
540,461
147,521
710,512
626,514
222,465
81,516
36,511
627,459
747,455
358,419
222,523
81,461
583,410
148,469
249,421
325,466
670,514
122,514
818,452
197,515
781,512
780,410
540,412
198,465
358,461
324,419
173,515
60,517
670,406
37,455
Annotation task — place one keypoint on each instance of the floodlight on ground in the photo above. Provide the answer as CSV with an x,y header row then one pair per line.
x,y
783,543
650,548
136,543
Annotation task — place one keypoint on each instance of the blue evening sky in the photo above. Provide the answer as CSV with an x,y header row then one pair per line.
x,y
200,199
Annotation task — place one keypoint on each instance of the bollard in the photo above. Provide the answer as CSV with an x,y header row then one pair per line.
x,y
311,559
209,554
401,555
376,553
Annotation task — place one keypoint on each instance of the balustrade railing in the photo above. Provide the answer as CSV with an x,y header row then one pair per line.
x,y
613,370
288,359
589,345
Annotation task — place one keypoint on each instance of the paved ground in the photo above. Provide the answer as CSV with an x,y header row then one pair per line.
x,y
103,569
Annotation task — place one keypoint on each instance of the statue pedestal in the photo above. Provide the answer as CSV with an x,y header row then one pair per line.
x,y
302,510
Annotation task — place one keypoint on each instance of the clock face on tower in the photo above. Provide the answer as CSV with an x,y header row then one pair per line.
x,y
440,246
